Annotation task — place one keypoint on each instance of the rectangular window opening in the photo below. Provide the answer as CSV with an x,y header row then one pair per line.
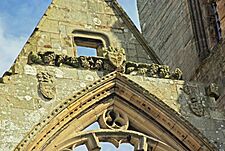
x,y
88,47
86,51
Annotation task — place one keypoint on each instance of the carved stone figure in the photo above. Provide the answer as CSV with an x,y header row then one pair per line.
x,y
164,71
34,58
60,59
46,85
84,62
91,62
98,64
213,90
177,74
114,60
49,58
153,71
131,68
142,71
72,61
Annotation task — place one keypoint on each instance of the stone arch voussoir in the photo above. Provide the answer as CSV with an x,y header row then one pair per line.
x,y
70,111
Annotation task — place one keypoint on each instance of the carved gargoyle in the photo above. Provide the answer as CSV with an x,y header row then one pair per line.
x,y
142,69
164,71
91,62
98,64
71,61
177,74
34,58
213,90
84,62
114,60
49,58
60,59
153,71
131,68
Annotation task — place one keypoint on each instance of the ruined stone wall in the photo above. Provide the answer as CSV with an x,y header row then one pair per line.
x,y
221,12
29,92
212,69
176,94
23,104
209,18
168,29
66,19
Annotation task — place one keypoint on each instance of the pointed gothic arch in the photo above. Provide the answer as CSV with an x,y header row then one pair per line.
x,y
151,122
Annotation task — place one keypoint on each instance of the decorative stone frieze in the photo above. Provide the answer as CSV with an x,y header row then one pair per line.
x,y
113,59
152,70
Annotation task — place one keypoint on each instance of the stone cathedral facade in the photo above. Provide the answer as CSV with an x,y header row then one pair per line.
x,y
51,94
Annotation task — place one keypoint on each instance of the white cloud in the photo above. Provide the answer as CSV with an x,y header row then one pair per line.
x,y
10,47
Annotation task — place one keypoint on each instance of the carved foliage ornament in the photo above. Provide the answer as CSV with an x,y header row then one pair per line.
x,y
46,85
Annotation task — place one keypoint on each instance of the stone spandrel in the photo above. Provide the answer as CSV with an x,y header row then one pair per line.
x,y
23,104
191,100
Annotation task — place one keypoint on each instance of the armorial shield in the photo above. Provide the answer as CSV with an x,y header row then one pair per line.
x,y
116,56
47,86
197,108
48,90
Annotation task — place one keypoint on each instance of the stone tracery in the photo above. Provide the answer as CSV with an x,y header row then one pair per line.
x,y
114,119
114,129
92,138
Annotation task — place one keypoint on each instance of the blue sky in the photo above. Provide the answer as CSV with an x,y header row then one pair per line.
x,y
18,19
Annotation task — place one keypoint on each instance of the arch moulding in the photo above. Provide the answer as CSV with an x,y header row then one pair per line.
x,y
149,118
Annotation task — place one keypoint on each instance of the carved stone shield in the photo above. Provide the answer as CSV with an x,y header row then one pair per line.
x,y
197,108
117,57
48,90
